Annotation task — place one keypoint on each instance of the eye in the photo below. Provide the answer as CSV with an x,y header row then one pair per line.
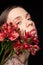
x,y
19,22
28,18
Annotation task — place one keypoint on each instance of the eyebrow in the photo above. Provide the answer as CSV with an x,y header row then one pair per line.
x,y
27,15
20,16
17,18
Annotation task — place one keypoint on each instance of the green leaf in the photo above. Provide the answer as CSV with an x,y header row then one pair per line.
x,y
29,40
26,51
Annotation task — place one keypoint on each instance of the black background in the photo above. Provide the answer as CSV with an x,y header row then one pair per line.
x,y
35,8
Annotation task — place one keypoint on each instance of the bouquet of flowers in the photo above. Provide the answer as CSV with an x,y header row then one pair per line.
x,y
12,42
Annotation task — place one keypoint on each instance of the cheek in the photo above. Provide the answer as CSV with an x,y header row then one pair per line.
x,y
22,26
28,29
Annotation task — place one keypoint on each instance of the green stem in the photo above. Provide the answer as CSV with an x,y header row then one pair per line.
x,y
1,51
2,63
9,56
6,50
2,46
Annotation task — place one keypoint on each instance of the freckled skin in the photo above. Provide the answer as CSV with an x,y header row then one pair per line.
x,y
25,24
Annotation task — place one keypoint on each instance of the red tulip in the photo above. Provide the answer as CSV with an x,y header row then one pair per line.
x,y
13,35
2,35
6,29
26,45
33,49
35,40
27,35
36,47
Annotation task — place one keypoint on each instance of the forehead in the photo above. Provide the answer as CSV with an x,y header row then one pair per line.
x,y
15,12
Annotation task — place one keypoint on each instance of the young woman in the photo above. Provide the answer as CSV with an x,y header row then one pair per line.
x,y
18,15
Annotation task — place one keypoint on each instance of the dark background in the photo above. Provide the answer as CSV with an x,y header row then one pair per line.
x,y
35,8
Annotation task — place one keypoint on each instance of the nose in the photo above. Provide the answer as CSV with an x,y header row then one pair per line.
x,y
29,23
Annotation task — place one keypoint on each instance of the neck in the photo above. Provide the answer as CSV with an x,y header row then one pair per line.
x,y
18,61
22,59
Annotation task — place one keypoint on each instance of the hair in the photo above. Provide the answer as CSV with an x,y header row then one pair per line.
x,y
3,17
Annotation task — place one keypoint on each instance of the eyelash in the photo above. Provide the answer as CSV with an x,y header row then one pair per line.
x,y
29,19
19,22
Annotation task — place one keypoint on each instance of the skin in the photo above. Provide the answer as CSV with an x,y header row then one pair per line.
x,y
22,18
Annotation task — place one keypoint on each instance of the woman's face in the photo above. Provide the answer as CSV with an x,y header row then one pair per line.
x,y
21,17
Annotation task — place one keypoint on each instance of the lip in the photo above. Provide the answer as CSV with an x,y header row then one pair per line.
x,y
33,32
